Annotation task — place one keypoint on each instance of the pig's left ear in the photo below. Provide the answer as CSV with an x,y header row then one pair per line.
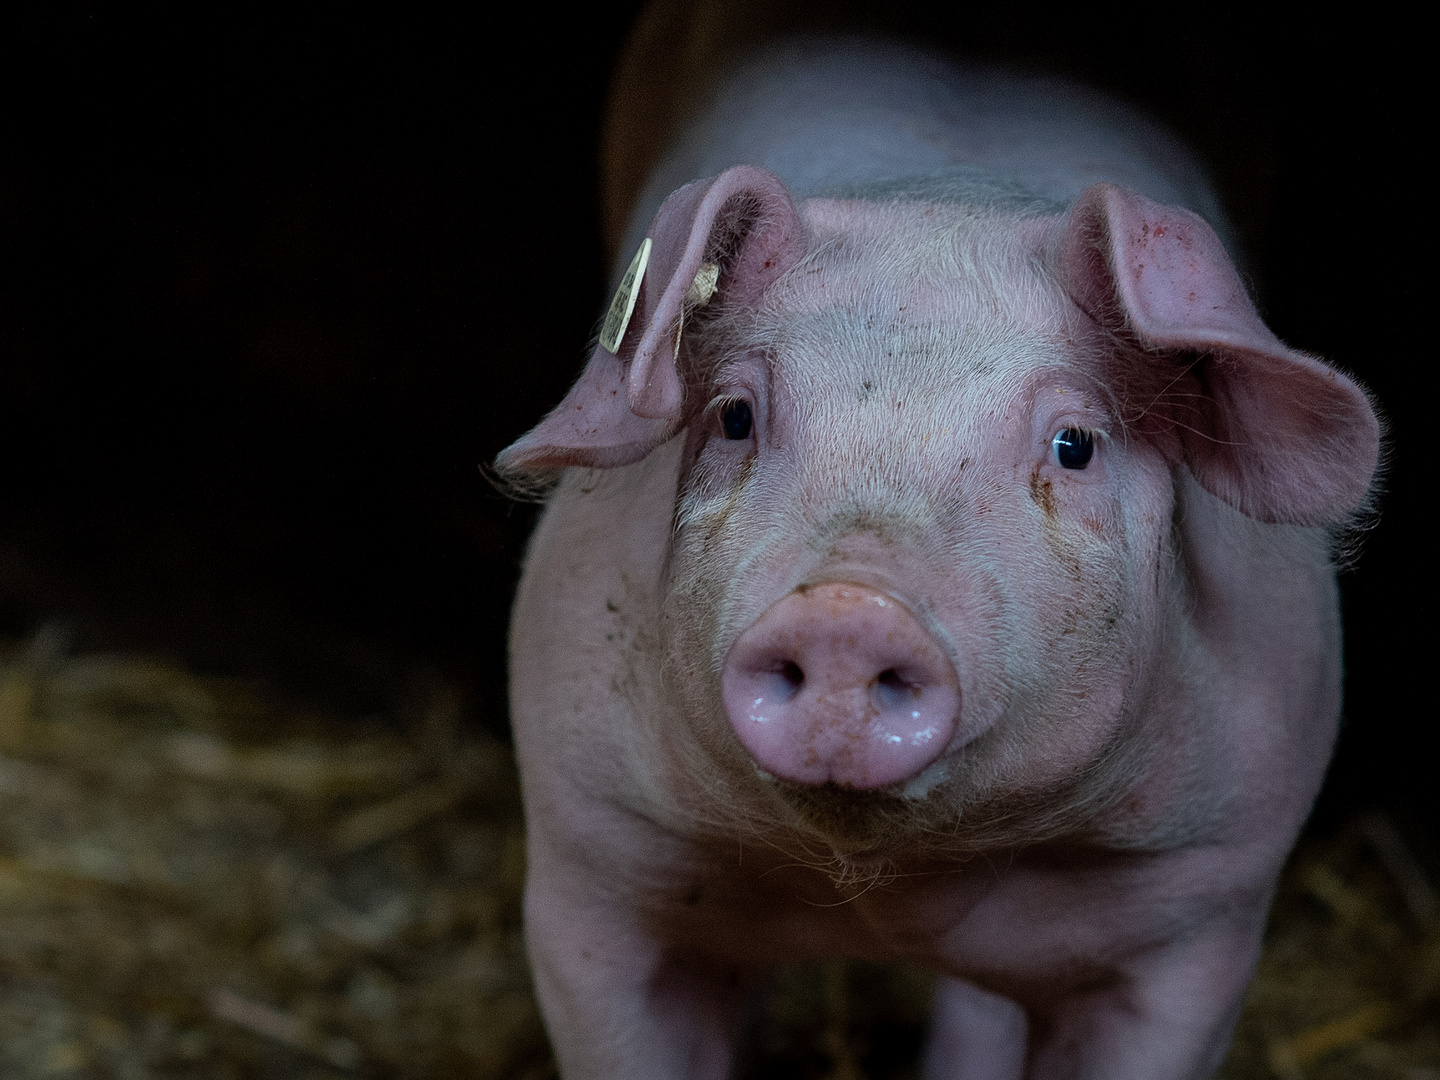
x,y
733,235
1281,436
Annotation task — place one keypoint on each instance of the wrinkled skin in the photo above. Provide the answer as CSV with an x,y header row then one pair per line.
x,y
1141,653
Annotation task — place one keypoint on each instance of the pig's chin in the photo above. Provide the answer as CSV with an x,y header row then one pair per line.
x,y
858,822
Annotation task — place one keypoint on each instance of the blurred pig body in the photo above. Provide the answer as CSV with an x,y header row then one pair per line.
x,y
939,572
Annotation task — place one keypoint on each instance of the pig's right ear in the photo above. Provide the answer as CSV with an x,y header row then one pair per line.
x,y
731,236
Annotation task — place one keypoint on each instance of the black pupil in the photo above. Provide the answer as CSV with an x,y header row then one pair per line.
x,y
1074,447
736,420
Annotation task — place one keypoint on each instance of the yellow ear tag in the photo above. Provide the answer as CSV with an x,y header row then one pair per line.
x,y
617,319
703,287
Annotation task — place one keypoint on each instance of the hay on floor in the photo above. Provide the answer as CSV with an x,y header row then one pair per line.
x,y
196,883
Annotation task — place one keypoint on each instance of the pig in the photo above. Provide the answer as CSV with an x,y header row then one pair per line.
x,y
938,569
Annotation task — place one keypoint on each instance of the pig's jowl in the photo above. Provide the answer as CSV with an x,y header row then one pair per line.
x,y
939,572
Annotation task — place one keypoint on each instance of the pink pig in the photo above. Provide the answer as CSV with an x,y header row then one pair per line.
x,y
938,572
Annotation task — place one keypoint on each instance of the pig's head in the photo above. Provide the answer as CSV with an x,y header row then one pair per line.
x,y
924,537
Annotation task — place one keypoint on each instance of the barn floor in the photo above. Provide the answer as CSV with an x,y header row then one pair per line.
x,y
198,882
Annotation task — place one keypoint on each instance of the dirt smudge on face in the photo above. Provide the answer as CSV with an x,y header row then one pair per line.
x,y
714,524
1043,492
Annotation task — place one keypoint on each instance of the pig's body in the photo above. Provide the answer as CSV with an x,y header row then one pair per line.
x,y
1147,677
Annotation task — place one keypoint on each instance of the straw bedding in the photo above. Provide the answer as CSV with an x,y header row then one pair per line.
x,y
196,881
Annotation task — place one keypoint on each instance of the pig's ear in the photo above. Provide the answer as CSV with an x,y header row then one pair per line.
x,y
731,236
1280,435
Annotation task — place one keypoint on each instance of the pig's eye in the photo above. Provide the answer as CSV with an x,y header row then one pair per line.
x,y
736,420
1074,447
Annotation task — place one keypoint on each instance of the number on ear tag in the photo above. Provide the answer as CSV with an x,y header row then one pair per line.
x,y
617,319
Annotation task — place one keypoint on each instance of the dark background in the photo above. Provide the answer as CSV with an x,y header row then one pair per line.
x,y
272,286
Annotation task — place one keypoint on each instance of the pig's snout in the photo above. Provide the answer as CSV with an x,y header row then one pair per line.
x,y
840,683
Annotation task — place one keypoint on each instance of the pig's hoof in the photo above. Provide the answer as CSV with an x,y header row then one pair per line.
x,y
839,683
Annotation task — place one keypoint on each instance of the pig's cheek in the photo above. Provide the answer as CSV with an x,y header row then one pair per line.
x,y
705,552
710,497
1097,510
720,471
1084,547
709,464
692,622
1088,502
1104,543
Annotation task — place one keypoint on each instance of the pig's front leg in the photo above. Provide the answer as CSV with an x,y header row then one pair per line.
x,y
616,1003
1168,1018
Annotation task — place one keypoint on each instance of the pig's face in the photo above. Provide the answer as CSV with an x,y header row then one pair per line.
x,y
891,423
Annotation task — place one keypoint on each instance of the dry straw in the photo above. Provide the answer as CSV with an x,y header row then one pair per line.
x,y
197,882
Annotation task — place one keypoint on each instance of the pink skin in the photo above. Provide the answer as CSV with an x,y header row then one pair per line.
x,y
1127,671
838,683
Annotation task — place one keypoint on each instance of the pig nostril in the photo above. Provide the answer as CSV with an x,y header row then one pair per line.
x,y
778,683
890,679
791,673
892,691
